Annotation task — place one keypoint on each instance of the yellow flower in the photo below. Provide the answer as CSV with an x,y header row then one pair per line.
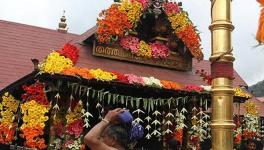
x,y
251,108
34,114
241,93
55,63
144,50
8,109
102,75
179,21
75,114
132,9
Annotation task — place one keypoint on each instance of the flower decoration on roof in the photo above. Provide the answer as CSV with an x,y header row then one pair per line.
x,y
55,63
121,18
70,51
242,93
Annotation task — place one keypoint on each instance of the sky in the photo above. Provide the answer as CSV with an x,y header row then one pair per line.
x,y
81,15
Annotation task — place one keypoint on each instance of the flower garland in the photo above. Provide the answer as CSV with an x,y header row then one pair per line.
x,y
55,63
133,10
8,110
170,85
75,71
141,48
102,75
69,51
134,79
33,124
74,127
35,92
252,124
184,29
112,24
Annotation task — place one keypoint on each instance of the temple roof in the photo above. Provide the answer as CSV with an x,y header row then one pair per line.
x,y
19,43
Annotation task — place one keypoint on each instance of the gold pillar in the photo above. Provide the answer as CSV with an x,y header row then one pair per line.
x,y
222,84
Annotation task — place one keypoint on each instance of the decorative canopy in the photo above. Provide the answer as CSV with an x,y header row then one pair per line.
x,y
149,29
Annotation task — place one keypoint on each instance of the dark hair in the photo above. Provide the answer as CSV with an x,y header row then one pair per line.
x,y
173,144
120,133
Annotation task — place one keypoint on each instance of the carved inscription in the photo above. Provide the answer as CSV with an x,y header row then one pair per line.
x,y
174,61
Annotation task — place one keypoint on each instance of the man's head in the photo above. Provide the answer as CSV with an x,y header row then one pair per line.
x,y
116,134
173,144
251,145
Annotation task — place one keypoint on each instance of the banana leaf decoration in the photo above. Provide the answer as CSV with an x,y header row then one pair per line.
x,y
168,131
156,133
156,122
156,113
148,118
148,127
138,119
169,115
148,136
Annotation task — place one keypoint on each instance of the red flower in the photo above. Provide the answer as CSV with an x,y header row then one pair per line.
x,y
121,77
35,92
75,128
194,88
70,51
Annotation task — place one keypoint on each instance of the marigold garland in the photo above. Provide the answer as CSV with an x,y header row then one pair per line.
x,y
112,24
8,110
102,75
33,123
170,85
252,125
133,10
184,30
76,71
55,63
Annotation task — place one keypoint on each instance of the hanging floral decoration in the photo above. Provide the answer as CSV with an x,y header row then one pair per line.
x,y
8,110
33,124
74,126
35,92
117,21
237,132
69,51
34,111
194,131
251,119
184,29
